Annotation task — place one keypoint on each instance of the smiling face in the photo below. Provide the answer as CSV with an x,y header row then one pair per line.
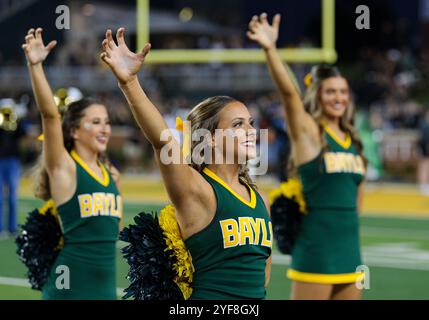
x,y
236,123
334,97
94,129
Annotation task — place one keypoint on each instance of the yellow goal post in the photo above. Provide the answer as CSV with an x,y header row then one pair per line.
x,y
327,53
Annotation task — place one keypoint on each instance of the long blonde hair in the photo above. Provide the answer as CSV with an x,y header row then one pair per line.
x,y
206,116
313,106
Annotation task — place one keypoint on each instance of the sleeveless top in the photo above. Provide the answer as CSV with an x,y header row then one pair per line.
x,y
230,254
331,180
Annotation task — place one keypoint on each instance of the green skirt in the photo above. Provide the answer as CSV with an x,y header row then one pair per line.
x,y
83,272
327,250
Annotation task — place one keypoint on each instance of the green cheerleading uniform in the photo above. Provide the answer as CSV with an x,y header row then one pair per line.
x,y
86,266
327,249
230,254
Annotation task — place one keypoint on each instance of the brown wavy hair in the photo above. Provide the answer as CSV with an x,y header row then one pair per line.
x,y
71,118
206,116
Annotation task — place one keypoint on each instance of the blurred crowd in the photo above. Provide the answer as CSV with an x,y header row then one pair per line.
x,y
389,79
388,87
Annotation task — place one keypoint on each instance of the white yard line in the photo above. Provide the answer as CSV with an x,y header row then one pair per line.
x,y
410,259
16,282
402,255
384,262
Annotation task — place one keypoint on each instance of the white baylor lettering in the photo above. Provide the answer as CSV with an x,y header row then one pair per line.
x,y
100,204
246,230
341,162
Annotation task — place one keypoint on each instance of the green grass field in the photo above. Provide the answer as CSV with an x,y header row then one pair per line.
x,y
396,249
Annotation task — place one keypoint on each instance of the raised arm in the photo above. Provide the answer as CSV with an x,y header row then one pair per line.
x,y
125,65
266,35
183,183
55,154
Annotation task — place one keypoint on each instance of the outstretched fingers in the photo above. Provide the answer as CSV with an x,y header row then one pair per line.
x,y
39,33
146,49
120,36
108,45
254,23
106,50
29,37
251,35
110,42
105,45
263,18
51,45
106,58
276,21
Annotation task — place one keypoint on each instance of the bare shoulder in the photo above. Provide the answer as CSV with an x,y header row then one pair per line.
x,y
307,145
196,206
311,128
308,134
202,192
58,162
62,181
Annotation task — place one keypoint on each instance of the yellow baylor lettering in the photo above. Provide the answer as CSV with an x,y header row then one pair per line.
x,y
108,202
117,212
113,205
246,231
230,233
85,205
256,229
265,241
99,207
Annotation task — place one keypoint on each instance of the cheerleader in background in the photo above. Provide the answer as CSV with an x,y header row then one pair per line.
x,y
83,190
327,155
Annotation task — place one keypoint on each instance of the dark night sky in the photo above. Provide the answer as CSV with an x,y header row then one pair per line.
x,y
301,19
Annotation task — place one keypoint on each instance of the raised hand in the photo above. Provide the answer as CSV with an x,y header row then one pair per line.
x,y
262,32
124,63
35,51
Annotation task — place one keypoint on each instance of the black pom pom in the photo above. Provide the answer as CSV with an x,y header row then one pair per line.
x,y
37,246
286,219
151,273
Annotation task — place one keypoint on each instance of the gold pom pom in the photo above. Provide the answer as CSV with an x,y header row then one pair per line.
x,y
183,267
292,189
